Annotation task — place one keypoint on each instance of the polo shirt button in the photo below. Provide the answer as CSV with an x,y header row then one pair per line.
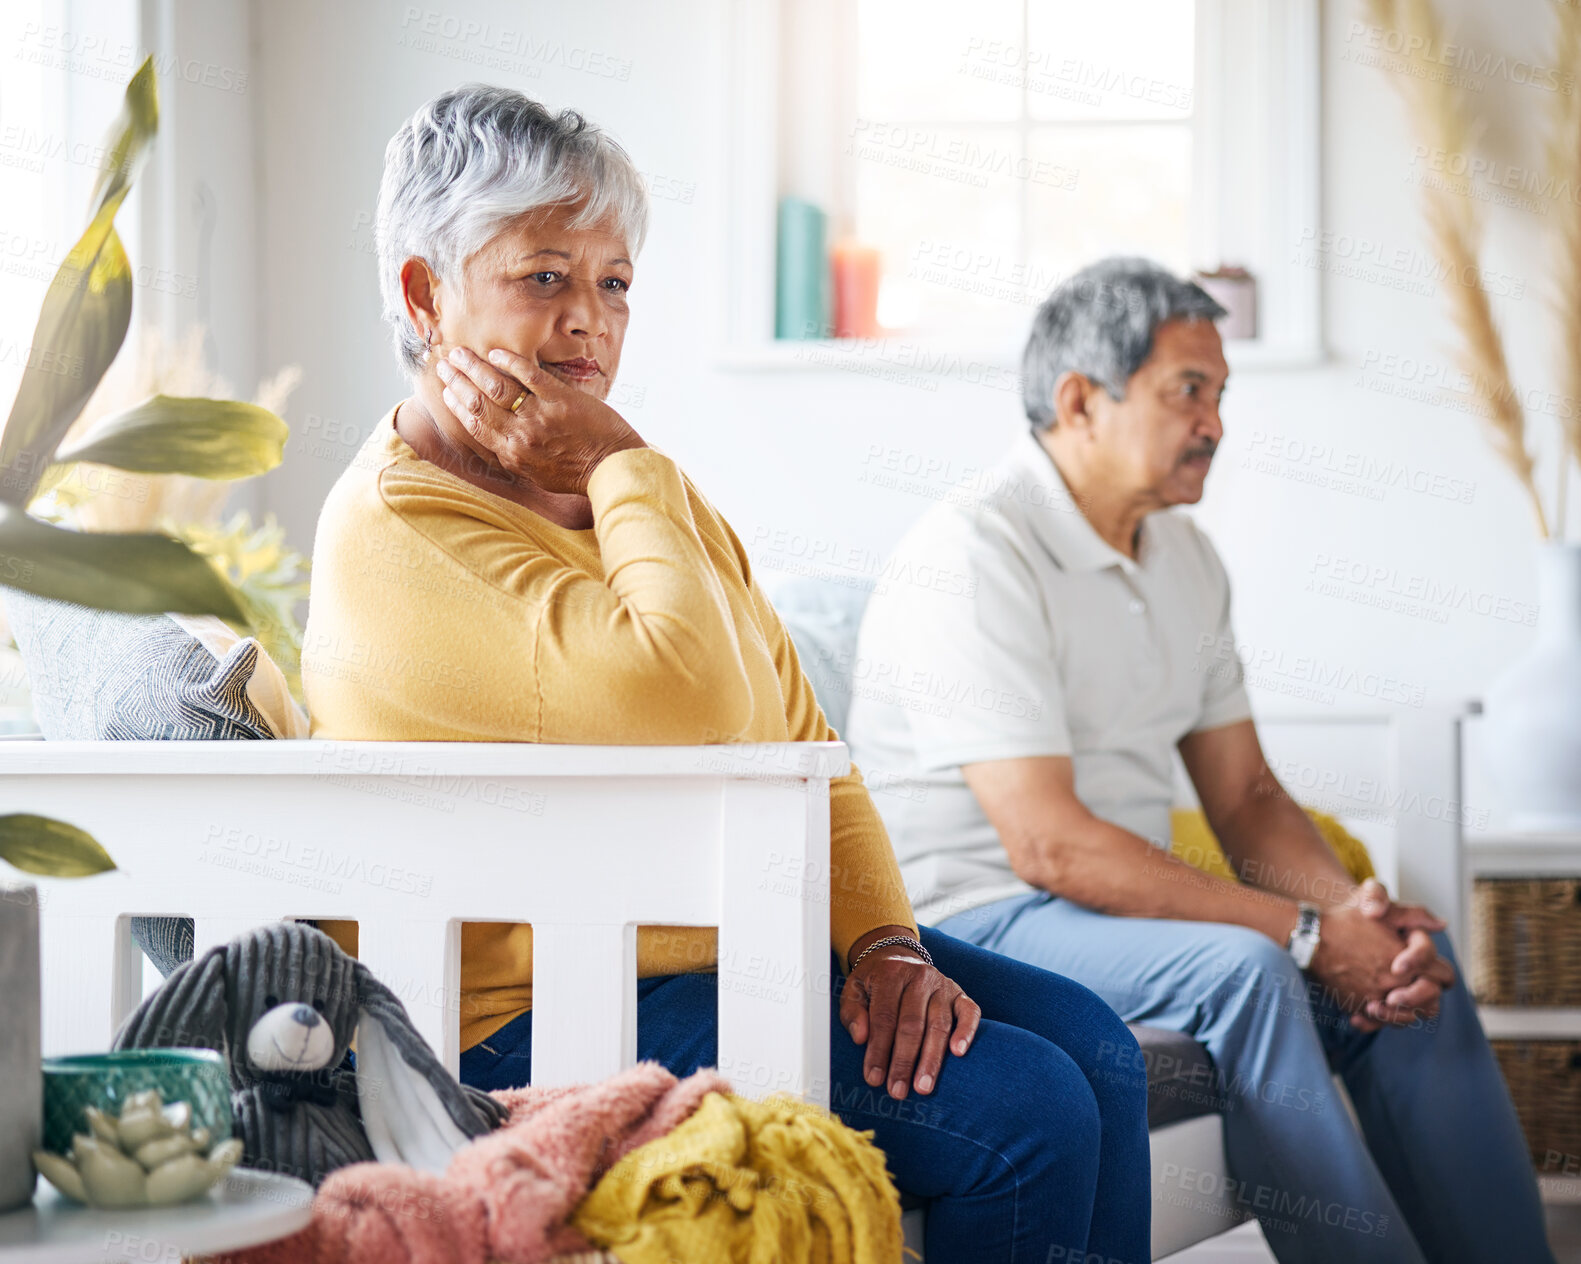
x,y
1137,605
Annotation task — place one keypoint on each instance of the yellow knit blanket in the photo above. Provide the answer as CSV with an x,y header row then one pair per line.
x,y
749,1183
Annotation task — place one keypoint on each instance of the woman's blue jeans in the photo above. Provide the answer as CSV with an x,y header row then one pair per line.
x,y
1031,1148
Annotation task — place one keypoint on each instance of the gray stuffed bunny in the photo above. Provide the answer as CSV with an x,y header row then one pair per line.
x,y
283,1003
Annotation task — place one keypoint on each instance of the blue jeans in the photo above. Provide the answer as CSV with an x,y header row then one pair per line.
x,y
1032,1147
1439,1169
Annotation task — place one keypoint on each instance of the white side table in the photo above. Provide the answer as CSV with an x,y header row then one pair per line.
x,y
246,1209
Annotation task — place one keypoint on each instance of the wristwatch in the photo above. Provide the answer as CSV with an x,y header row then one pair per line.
x,y
1304,938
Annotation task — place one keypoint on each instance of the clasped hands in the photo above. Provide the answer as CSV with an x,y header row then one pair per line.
x,y
1378,958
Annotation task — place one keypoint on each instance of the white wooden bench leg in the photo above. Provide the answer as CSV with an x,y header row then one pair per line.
x,y
421,963
774,1001
93,976
584,1002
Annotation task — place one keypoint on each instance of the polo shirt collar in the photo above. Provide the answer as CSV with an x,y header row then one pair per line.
x,y
1057,520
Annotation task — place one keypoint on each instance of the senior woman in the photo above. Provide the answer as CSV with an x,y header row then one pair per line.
x,y
526,568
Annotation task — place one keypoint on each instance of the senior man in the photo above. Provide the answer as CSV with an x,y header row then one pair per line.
x,y
1082,648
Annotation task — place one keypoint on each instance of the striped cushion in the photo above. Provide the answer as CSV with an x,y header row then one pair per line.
x,y
98,675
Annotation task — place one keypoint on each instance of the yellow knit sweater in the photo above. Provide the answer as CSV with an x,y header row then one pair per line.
x,y
441,612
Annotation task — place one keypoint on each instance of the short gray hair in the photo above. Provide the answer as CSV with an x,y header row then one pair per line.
x,y
474,158
1100,322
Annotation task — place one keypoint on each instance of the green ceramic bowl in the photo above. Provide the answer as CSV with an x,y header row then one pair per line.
x,y
105,1080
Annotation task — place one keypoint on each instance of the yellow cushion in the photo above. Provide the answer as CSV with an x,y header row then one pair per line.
x,y
1192,840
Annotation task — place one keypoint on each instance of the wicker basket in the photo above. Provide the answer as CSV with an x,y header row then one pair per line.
x,y
1545,1080
1526,941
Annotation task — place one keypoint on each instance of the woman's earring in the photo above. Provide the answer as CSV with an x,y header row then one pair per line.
x,y
428,349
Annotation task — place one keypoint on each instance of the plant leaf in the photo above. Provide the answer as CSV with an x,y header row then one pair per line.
x,y
127,140
80,329
138,574
86,310
204,438
50,848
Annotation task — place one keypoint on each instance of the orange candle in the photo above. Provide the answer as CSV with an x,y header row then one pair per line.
x,y
854,273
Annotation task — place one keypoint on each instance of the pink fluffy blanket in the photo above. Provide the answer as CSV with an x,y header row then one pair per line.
x,y
506,1197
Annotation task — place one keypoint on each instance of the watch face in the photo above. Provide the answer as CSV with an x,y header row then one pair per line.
x,y
1304,939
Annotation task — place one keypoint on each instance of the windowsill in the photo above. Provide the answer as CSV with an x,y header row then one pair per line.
x,y
895,348
895,352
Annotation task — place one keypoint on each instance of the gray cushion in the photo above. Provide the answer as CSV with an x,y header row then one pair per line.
x,y
97,675
823,620
1182,1082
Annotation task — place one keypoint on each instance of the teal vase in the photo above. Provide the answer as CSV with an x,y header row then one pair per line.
x,y
801,289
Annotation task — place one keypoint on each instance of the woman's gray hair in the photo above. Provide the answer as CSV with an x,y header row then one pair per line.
x,y
474,158
1100,322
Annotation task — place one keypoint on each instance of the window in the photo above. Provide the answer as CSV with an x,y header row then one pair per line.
x,y
31,190
998,146
990,148
63,83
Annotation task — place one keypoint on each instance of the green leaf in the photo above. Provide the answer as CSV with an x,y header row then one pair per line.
x,y
205,438
50,848
86,310
128,140
80,330
138,574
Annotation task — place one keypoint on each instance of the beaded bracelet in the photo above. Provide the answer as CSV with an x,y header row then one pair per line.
x,y
907,940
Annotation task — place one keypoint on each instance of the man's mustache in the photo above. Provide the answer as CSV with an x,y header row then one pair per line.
x,y
1207,448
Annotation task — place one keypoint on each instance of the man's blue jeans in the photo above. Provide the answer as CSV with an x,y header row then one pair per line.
x,y
1443,1173
1031,1148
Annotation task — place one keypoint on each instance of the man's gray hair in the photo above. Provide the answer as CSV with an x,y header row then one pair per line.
x,y
1100,322
474,158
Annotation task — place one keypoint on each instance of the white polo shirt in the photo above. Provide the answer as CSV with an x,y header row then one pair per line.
x,y
1052,643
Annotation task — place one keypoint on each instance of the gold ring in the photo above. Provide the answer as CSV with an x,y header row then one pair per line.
x,y
517,402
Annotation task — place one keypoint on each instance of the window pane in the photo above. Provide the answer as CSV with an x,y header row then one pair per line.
x,y
916,59
925,194
1117,59
1132,195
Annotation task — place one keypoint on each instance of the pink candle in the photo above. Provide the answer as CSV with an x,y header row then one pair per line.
x,y
854,273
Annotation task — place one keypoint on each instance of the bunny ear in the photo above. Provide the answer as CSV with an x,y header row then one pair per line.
x,y
188,1010
414,1111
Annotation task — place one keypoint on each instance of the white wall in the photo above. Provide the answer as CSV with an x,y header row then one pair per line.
x,y
787,451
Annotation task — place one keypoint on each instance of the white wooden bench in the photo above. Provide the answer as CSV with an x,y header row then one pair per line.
x,y
586,843
411,840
